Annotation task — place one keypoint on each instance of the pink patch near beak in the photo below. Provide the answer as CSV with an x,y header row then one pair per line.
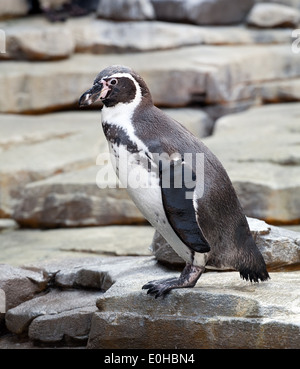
x,y
104,90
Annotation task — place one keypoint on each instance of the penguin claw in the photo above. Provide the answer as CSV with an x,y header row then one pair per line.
x,y
160,288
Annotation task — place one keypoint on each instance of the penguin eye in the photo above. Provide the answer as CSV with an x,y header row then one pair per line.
x,y
113,81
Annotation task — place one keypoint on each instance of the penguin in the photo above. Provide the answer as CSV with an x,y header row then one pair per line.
x,y
190,202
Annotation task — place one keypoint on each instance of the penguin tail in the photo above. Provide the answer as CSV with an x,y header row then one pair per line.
x,y
252,266
254,275
249,260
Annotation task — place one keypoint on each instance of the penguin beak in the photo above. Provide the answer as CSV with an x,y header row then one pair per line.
x,y
92,95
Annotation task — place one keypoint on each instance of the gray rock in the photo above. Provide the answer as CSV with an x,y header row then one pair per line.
x,y
36,39
280,91
126,10
280,247
199,317
222,311
100,36
263,160
8,224
24,247
292,3
69,308
56,150
212,75
194,75
273,15
13,8
20,284
215,12
74,200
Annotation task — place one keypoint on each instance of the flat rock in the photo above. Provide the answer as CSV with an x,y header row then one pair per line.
x,y
100,36
220,302
48,145
199,74
8,224
64,305
75,199
280,247
126,10
13,8
279,91
263,160
221,305
24,246
202,12
37,39
273,15
20,285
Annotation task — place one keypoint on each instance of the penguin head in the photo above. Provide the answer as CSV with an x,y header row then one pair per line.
x,y
116,85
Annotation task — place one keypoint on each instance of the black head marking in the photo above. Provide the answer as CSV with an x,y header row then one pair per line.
x,y
116,84
124,89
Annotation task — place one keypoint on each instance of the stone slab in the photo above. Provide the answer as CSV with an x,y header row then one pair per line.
x,y
21,246
199,74
37,147
280,247
263,160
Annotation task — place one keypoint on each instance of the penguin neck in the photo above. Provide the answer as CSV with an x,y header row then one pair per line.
x,y
120,116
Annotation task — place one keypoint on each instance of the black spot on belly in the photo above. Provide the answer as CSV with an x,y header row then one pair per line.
x,y
117,136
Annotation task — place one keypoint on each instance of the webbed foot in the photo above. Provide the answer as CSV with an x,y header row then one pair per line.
x,y
187,279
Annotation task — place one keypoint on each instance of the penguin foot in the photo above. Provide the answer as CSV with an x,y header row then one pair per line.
x,y
187,279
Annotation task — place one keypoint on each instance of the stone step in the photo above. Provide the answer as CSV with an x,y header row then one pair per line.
x,y
218,75
122,315
25,246
264,160
34,148
35,38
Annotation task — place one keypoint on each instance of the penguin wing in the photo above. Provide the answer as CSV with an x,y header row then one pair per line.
x,y
177,182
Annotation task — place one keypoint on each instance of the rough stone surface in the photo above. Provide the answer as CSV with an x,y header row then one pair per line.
x,y
20,284
37,40
221,302
73,200
292,3
283,91
267,181
202,11
58,303
199,74
273,15
280,247
25,246
129,318
62,143
13,8
8,224
126,10
99,36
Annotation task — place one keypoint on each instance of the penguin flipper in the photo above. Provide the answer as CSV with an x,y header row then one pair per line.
x,y
177,197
